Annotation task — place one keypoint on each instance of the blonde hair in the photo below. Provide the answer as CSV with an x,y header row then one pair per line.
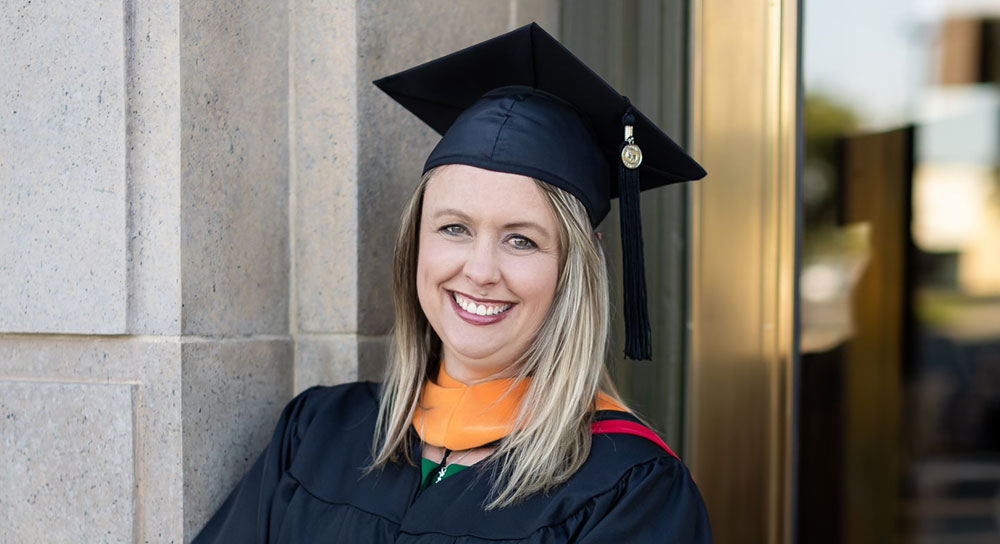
x,y
565,361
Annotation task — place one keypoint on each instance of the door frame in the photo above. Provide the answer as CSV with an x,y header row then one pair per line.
x,y
743,350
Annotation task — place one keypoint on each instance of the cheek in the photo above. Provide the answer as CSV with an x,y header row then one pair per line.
x,y
434,265
535,281
424,281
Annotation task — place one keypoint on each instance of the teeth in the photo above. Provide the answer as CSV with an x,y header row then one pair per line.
x,y
480,309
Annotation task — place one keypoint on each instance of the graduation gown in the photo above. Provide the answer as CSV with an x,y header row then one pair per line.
x,y
309,485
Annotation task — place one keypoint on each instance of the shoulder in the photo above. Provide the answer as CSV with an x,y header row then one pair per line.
x,y
353,392
642,491
332,418
335,433
345,402
620,434
626,454
322,411
655,500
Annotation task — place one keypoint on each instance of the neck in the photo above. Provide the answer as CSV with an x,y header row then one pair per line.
x,y
470,373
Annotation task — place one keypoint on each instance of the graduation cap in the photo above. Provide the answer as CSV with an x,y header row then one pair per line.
x,y
521,103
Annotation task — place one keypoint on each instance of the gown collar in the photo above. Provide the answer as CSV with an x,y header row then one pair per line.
x,y
457,416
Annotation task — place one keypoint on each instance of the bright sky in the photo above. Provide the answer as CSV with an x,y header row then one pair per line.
x,y
875,55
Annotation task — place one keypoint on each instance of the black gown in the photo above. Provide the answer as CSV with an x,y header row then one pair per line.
x,y
309,486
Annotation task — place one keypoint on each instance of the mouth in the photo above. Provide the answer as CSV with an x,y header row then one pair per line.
x,y
479,312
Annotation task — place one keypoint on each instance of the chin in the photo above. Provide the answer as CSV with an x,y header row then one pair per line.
x,y
488,357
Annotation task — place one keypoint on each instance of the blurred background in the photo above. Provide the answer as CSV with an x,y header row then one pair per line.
x,y
900,276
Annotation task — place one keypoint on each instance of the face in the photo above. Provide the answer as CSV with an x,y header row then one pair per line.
x,y
487,267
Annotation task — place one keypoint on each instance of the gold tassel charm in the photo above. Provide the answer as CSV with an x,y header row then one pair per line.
x,y
631,154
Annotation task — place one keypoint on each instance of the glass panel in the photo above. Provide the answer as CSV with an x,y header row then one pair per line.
x,y
899,420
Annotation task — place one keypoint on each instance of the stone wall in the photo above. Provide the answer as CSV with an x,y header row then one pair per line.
x,y
197,207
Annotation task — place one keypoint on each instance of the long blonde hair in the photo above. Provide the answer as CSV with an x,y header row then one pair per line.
x,y
565,362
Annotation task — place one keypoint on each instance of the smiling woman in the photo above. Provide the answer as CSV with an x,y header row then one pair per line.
x,y
497,420
518,242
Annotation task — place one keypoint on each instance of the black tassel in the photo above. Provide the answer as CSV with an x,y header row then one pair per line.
x,y
638,337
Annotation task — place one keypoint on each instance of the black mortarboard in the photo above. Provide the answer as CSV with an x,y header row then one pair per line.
x,y
521,103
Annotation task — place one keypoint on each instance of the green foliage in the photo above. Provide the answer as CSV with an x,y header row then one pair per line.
x,y
825,122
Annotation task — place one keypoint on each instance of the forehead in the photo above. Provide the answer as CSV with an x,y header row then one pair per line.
x,y
486,194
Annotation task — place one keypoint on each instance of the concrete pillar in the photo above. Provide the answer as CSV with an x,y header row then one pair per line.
x,y
198,202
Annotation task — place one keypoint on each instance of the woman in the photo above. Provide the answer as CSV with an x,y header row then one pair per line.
x,y
497,420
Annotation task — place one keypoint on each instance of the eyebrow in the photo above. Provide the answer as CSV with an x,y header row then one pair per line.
x,y
514,225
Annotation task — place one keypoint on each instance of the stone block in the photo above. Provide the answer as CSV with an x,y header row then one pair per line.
x,y
391,152
325,360
234,179
69,462
325,135
340,358
233,392
62,168
86,374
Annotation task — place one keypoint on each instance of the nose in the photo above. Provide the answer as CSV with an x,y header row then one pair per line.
x,y
482,265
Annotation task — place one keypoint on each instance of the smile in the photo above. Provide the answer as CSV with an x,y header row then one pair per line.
x,y
480,308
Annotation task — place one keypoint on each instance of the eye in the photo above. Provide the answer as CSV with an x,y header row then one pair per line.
x,y
453,230
520,242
